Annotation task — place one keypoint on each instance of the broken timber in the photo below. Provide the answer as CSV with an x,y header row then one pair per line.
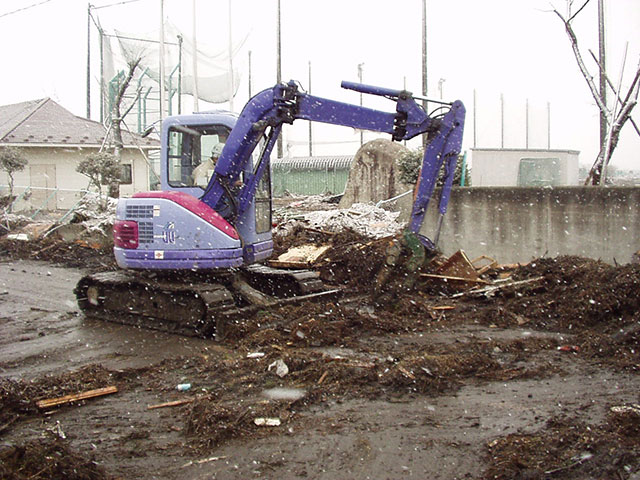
x,y
53,402
299,257
175,403
492,289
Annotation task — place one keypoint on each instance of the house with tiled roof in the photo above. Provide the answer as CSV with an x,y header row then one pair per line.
x,y
54,141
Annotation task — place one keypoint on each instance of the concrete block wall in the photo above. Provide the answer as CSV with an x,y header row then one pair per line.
x,y
514,224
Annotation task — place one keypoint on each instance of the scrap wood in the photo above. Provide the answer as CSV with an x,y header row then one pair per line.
x,y
204,460
442,307
316,230
406,372
448,278
52,402
491,289
86,244
299,257
174,403
458,265
42,250
323,377
492,263
349,363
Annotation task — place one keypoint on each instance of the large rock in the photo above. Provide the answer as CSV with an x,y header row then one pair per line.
x,y
374,174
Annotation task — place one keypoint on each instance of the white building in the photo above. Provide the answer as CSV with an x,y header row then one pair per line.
x,y
54,141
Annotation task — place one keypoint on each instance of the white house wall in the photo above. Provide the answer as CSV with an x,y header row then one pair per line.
x,y
67,180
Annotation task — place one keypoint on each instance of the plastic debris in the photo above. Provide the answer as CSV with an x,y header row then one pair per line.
x,y
267,422
183,387
569,348
281,368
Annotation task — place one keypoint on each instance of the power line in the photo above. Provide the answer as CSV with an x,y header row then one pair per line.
x,y
24,8
123,2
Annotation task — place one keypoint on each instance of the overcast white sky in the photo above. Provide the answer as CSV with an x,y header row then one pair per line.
x,y
515,48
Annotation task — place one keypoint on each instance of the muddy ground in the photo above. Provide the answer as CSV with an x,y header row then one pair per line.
x,y
535,381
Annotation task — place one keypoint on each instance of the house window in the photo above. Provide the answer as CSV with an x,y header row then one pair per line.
x,y
126,178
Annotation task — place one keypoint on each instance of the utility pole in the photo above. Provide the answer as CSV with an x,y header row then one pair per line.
x,y
102,86
231,89
360,65
310,123
279,69
250,74
548,125
603,73
424,64
475,115
89,60
161,59
194,66
526,125
501,120
180,39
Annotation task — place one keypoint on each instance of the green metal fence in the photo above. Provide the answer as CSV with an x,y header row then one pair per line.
x,y
310,175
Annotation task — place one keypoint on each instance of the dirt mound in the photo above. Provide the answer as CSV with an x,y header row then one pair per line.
x,y
75,255
352,259
210,423
567,449
576,293
47,460
18,397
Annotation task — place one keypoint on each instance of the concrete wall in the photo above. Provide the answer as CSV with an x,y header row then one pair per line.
x,y
499,167
51,168
520,224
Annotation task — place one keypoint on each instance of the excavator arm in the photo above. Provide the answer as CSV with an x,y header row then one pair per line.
x,y
264,115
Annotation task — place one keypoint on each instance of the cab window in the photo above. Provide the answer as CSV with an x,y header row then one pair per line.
x,y
189,154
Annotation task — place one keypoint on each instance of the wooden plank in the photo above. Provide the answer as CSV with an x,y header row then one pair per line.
x,y
283,264
52,402
491,289
453,279
175,403
300,257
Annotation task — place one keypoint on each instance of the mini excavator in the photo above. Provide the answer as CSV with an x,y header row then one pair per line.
x,y
192,253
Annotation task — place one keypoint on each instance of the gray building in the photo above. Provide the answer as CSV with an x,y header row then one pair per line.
x,y
510,167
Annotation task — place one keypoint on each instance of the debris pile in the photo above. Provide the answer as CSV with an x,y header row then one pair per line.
x,y
568,449
93,217
19,397
577,292
72,239
46,459
365,219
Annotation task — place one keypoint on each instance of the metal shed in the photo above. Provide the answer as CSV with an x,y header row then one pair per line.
x,y
310,175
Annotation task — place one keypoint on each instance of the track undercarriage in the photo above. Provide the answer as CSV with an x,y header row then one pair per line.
x,y
194,304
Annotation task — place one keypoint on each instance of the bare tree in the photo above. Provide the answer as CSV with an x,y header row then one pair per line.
x,y
616,116
117,118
